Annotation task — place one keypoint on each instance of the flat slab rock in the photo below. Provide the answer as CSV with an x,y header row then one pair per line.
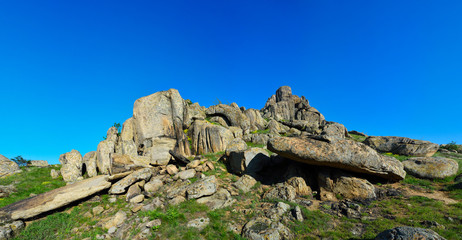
x,y
342,154
402,146
431,167
53,199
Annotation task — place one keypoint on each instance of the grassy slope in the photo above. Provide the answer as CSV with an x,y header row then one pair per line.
x,y
379,215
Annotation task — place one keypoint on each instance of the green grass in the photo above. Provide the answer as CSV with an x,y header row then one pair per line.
x,y
31,180
251,144
399,157
261,131
59,226
357,138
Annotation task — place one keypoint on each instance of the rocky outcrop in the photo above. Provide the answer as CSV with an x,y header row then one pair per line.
x,y
89,159
431,167
122,185
8,167
207,137
233,116
402,146
53,199
72,163
342,154
399,233
251,160
104,153
333,183
38,163
256,120
158,120
193,112
285,106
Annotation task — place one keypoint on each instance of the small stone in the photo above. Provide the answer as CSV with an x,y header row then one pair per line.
x,y
87,215
136,208
97,210
112,199
199,223
137,199
193,164
154,223
177,200
171,169
112,230
298,214
187,174
210,165
54,174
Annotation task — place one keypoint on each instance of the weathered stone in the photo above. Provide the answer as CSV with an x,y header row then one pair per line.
x,y
402,146
8,167
264,229
251,160
112,134
153,186
187,174
236,145
256,120
54,199
298,214
120,186
159,152
400,233
334,129
10,230
222,198
97,210
193,112
176,200
232,115
431,167
282,192
207,137
129,148
128,130
198,223
137,199
342,154
89,159
357,133
193,164
333,183
133,191
38,163
6,190
245,183
221,121
300,186
171,169
203,187
72,163
104,153
118,219
54,173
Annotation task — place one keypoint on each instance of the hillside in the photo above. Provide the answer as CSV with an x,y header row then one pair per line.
x,y
177,170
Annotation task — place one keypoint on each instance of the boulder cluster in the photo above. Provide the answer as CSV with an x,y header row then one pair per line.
x,y
288,146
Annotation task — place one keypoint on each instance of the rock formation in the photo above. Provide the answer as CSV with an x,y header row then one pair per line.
x,y
7,167
402,146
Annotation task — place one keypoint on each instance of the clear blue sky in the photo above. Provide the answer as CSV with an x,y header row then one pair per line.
x,y
68,71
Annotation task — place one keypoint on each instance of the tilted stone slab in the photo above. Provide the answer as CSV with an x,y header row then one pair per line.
x,y
138,175
402,146
342,154
53,199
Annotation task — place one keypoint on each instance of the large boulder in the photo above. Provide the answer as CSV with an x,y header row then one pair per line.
x,y
249,161
333,183
158,120
256,120
38,163
128,130
104,153
207,137
431,167
343,154
193,112
402,233
89,159
232,115
72,163
7,167
283,106
402,146
54,199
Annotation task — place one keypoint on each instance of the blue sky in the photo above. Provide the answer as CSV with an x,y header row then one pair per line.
x,y
68,71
